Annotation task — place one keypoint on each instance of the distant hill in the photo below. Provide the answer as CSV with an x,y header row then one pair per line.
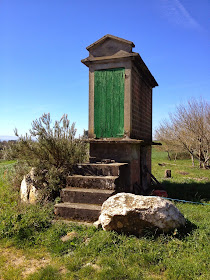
x,y
7,138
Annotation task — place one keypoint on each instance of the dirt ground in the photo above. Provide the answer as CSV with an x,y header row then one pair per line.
x,y
14,258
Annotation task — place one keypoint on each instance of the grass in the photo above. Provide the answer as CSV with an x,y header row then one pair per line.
x,y
187,182
31,248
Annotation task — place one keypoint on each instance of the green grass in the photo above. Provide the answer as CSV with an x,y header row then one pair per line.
x,y
7,162
29,239
187,182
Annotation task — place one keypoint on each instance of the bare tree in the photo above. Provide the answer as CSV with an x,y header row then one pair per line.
x,y
165,134
189,128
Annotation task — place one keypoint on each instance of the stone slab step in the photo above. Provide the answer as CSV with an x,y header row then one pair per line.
x,y
84,195
78,211
100,169
93,182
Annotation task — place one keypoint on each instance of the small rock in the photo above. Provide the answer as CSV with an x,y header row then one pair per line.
x,y
87,241
94,266
69,236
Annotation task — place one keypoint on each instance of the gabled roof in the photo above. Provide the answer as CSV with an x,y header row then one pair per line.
x,y
108,36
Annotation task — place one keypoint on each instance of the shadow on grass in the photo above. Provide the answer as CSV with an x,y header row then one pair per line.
x,y
180,233
185,230
195,192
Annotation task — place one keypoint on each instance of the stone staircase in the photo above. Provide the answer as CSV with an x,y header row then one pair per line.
x,y
88,188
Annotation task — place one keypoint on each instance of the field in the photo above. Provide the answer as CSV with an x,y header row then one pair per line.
x,y
187,182
31,246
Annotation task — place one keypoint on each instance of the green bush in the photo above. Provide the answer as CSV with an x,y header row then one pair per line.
x,y
52,150
7,151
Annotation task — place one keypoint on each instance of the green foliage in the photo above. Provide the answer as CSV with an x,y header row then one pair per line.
x,y
52,238
6,148
21,222
25,223
51,151
8,192
9,151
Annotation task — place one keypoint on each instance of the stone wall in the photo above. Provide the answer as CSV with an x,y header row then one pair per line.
x,y
141,107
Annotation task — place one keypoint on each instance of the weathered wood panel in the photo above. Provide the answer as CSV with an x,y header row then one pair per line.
x,y
109,103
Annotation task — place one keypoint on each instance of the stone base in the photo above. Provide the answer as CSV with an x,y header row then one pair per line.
x,y
135,152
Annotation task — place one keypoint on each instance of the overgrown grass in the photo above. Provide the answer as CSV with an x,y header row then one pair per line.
x,y
30,240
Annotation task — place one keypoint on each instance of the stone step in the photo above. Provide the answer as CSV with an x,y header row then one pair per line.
x,y
100,169
84,195
78,211
93,182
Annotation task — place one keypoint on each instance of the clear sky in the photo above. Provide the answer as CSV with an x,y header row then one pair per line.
x,y
42,43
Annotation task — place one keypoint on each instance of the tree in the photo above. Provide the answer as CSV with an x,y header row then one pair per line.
x,y
52,151
166,136
189,129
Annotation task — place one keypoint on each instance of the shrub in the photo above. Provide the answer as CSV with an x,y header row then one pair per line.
x,y
52,151
6,150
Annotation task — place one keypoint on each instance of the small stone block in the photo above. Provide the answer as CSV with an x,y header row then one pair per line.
x,y
167,173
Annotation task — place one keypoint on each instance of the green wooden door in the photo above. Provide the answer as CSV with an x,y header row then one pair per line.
x,y
109,103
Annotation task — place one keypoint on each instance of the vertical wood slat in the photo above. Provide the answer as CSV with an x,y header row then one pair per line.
x,y
109,103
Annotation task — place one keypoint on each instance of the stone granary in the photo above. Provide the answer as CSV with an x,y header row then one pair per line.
x,y
120,129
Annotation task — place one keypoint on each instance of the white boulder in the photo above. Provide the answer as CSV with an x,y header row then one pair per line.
x,y
28,191
129,213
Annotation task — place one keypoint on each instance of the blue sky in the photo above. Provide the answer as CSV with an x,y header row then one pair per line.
x,y
43,42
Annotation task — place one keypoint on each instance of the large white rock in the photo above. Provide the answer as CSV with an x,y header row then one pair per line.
x,y
129,213
28,191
